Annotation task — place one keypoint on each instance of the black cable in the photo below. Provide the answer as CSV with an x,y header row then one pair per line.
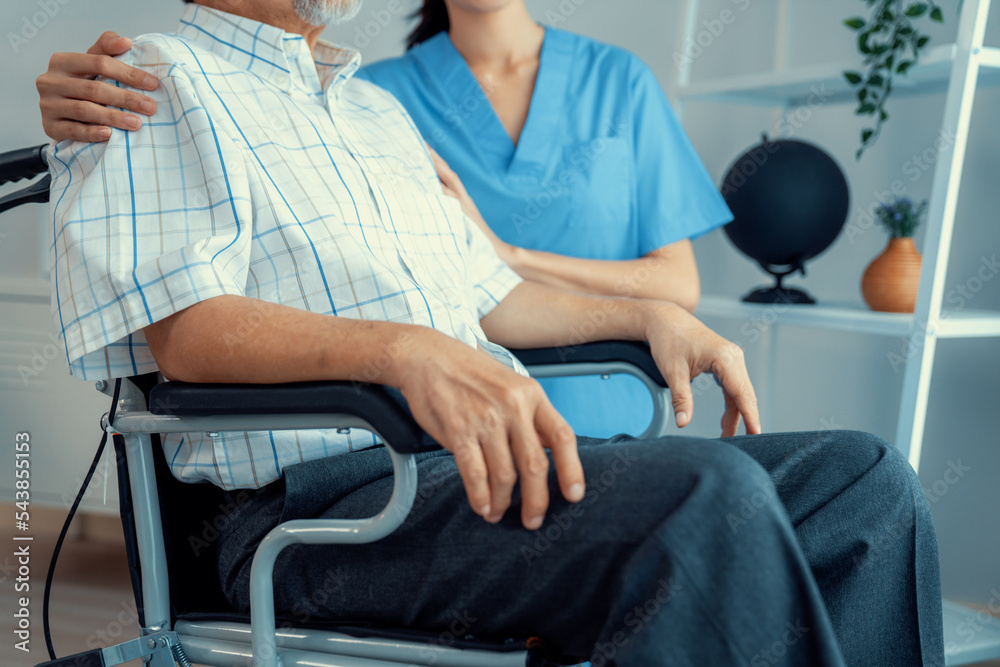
x,y
69,519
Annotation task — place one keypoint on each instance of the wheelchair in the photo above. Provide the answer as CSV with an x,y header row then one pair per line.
x,y
183,614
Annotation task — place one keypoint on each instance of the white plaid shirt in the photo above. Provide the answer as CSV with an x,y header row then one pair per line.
x,y
268,175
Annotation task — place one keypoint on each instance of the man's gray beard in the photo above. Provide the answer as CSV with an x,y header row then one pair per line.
x,y
326,12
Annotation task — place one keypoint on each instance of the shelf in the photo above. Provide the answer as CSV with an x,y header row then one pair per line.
x,y
969,324
834,316
852,318
969,636
824,84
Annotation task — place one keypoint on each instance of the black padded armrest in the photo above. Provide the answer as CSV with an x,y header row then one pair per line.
x,y
366,401
36,193
636,354
369,402
22,163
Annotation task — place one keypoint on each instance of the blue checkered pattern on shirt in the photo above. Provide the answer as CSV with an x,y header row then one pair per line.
x,y
267,171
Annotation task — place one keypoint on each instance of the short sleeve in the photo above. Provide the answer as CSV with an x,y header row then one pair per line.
x,y
491,279
144,226
676,198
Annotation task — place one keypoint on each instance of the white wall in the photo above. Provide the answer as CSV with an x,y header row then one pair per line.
x,y
823,379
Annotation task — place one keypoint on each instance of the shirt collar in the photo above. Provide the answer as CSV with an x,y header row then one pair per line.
x,y
282,59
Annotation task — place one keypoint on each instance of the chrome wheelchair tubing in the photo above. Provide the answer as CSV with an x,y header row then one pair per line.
x,y
320,643
147,422
146,505
321,531
661,395
135,424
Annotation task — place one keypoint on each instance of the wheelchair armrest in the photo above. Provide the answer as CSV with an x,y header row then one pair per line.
x,y
369,402
23,163
634,354
36,193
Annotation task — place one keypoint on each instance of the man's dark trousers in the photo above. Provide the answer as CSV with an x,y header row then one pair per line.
x,y
792,549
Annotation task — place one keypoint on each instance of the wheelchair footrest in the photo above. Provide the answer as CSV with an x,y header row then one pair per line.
x,y
156,649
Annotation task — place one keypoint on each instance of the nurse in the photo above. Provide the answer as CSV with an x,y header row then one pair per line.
x,y
568,147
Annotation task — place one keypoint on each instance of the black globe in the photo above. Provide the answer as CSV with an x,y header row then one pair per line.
x,y
789,201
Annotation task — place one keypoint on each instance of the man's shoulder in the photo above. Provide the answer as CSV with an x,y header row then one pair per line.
x,y
171,55
373,95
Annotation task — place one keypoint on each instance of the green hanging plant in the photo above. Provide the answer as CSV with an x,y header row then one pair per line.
x,y
891,44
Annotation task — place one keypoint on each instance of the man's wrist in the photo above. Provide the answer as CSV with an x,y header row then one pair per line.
x,y
402,354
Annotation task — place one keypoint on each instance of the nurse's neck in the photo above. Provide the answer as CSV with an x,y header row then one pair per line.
x,y
496,40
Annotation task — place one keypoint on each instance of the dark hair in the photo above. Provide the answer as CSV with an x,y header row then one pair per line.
x,y
433,20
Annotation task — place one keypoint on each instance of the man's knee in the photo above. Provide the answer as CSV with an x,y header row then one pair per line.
x,y
742,489
649,480
873,454
725,476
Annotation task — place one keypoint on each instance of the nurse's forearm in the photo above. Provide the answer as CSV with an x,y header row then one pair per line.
x,y
667,274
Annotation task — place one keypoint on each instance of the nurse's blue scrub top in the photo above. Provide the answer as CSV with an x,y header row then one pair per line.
x,y
602,170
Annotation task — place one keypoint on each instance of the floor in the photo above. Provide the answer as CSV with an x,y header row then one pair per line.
x,y
91,603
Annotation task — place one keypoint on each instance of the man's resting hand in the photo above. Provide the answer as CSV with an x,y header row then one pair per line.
x,y
684,348
496,423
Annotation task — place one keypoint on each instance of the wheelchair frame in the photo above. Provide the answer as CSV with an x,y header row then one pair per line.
x,y
228,644
231,644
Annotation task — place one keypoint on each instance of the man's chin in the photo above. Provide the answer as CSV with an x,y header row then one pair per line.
x,y
349,11
327,12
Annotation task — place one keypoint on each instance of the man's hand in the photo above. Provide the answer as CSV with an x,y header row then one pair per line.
x,y
495,422
76,107
684,348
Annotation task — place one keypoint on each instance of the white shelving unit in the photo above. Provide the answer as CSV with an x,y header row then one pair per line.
x,y
956,69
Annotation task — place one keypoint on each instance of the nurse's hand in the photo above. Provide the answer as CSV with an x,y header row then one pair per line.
x,y
75,106
453,187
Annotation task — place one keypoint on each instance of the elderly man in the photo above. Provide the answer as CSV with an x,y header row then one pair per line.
x,y
277,220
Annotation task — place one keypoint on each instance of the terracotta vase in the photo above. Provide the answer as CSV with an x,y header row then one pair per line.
x,y
890,282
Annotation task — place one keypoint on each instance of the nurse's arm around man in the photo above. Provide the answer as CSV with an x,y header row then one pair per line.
x,y
542,128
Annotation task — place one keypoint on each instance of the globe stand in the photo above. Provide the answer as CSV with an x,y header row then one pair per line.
x,y
789,201
780,293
